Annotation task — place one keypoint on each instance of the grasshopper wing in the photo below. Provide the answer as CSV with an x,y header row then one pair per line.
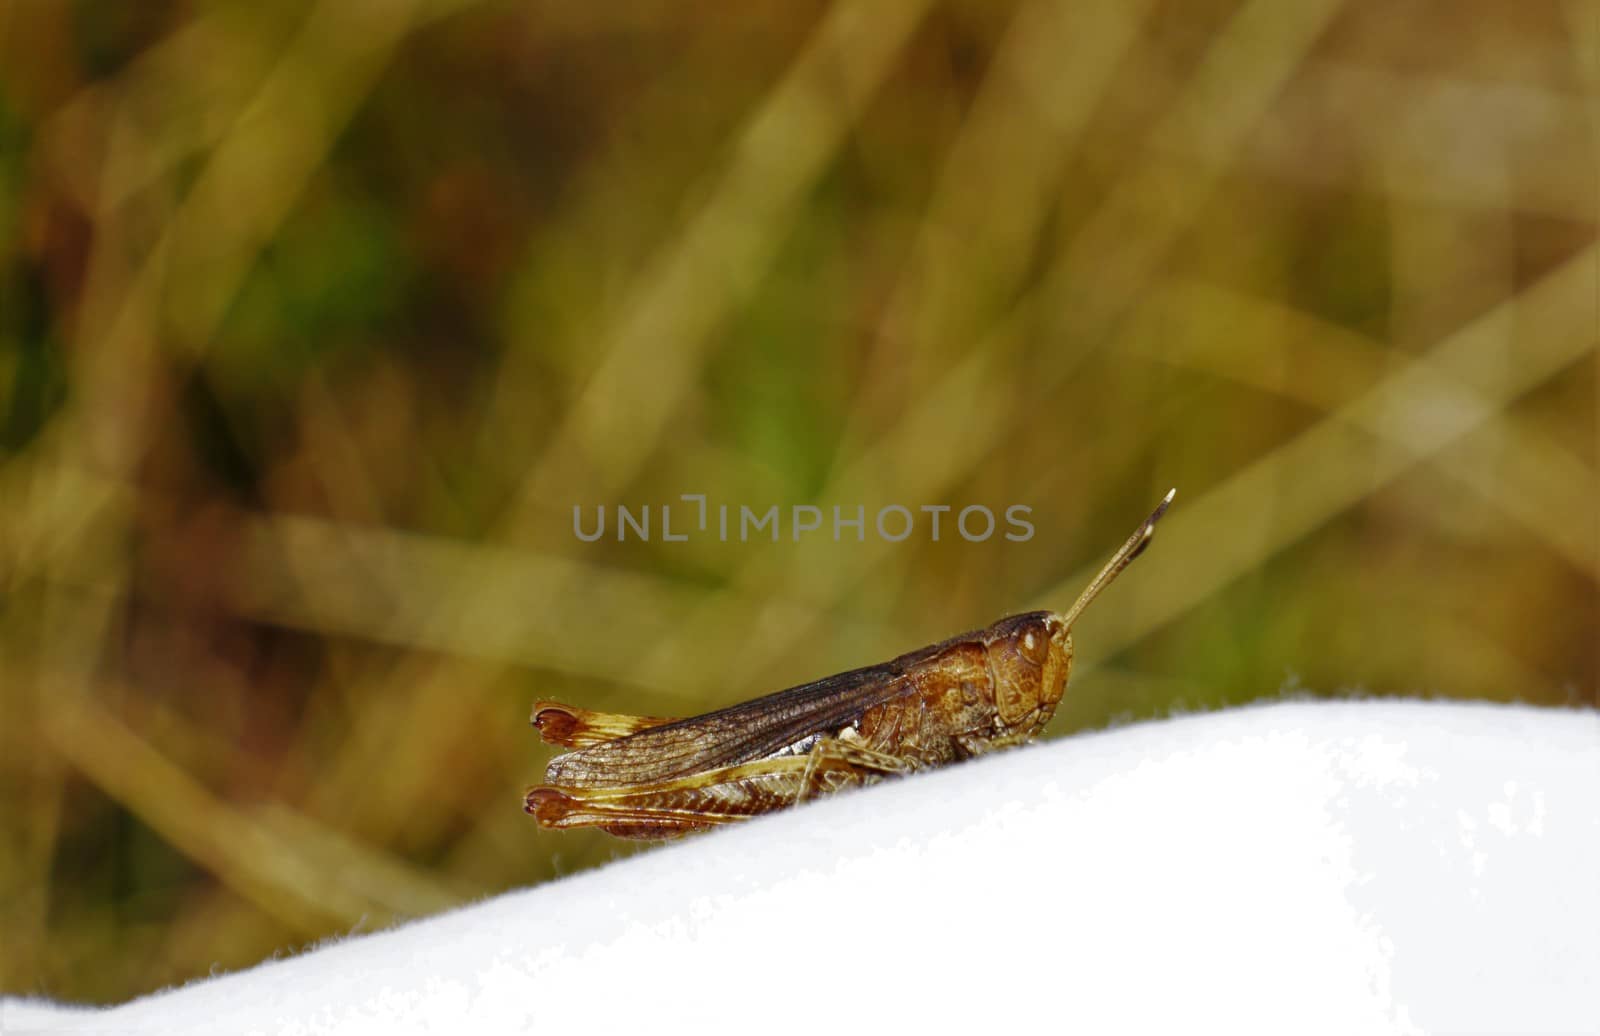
x,y
738,734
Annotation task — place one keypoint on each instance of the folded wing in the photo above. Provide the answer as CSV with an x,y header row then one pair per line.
x,y
738,734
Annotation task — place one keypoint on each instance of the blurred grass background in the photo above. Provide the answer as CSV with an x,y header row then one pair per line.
x,y
316,320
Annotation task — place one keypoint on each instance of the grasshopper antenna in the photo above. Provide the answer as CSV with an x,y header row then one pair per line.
x,y
1120,560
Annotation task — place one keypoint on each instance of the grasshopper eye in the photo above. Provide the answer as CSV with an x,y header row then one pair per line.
x,y
1034,645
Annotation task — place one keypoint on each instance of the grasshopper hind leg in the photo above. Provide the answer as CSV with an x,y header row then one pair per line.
x,y
572,727
626,815
665,809
553,808
726,795
652,832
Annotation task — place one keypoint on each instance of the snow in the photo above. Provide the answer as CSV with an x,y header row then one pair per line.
x,y
1299,867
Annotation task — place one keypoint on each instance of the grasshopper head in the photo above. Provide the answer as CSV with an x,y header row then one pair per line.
x,y
1031,654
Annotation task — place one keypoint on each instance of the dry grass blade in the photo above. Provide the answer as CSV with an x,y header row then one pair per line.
x,y
1243,71
1293,354
1309,139
663,328
1001,173
298,872
926,453
614,425
383,586
1431,404
266,156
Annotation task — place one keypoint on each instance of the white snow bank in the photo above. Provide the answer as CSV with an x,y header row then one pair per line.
x,y
1337,867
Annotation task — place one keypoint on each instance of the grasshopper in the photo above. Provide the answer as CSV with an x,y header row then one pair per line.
x,y
657,777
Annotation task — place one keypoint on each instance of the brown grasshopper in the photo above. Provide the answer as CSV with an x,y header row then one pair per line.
x,y
653,777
